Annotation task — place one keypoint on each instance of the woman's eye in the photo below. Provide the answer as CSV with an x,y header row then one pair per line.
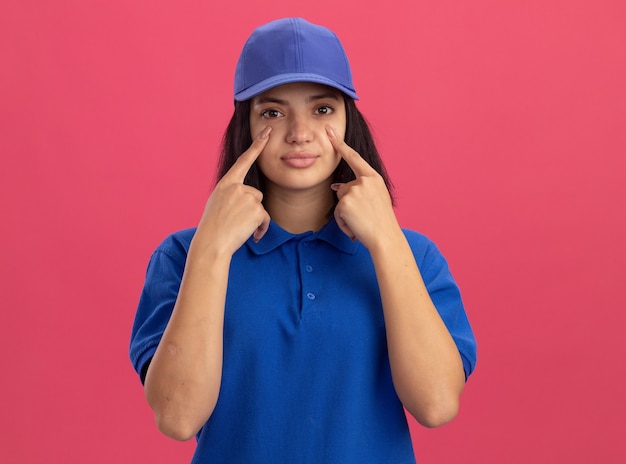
x,y
271,114
324,110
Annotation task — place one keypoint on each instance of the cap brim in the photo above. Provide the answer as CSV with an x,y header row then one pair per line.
x,y
275,81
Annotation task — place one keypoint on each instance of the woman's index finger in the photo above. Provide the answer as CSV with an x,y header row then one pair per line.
x,y
240,168
359,166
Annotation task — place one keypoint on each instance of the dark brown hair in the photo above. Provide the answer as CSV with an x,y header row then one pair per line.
x,y
237,139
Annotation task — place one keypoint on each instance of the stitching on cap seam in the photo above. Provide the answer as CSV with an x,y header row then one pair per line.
x,y
297,36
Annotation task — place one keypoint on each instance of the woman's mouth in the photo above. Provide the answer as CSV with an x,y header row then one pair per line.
x,y
299,160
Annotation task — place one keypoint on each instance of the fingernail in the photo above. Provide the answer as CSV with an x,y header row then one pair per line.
x,y
335,187
330,131
265,132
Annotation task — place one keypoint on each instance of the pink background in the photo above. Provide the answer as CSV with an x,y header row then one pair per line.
x,y
503,127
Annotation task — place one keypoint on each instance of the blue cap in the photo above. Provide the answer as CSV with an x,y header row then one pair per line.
x,y
291,50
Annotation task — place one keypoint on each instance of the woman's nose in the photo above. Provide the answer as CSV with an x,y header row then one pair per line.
x,y
299,130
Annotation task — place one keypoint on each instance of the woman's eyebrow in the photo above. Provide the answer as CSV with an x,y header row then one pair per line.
x,y
270,99
330,95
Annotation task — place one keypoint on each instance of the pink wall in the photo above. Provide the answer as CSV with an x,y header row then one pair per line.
x,y
503,126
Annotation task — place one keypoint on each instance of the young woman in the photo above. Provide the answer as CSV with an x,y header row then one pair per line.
x,y
298,320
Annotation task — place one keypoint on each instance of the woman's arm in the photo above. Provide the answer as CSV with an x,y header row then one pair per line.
x,y
425,362
183,380
426,366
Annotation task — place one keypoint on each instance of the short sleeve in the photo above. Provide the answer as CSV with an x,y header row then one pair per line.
x,y
446,296
157,299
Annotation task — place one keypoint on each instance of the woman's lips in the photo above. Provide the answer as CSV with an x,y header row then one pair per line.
x,y
299,160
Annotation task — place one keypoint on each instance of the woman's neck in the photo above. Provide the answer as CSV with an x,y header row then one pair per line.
x,y
299,211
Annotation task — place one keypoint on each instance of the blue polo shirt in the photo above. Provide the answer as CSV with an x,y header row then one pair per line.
x,y
306,376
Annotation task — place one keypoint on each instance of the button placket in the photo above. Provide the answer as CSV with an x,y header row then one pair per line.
x,y
309,291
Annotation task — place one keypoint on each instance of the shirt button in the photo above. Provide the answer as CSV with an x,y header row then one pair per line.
x,y
310,296
306,243
309,268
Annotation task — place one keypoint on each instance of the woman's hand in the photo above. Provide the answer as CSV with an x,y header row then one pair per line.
x,y
364,211
234,210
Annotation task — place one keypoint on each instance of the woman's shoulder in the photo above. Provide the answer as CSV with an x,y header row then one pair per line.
x,y
176,243
424,248
418,239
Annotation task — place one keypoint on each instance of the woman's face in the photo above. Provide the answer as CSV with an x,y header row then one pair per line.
x,y
298,154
